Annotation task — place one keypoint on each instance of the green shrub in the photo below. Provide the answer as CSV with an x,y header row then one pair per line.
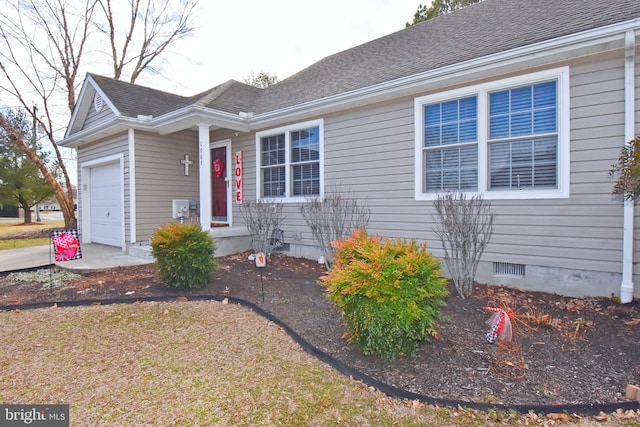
x,y
184,255
389,292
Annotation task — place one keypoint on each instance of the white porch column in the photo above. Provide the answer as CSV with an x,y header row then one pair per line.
x,y
205,176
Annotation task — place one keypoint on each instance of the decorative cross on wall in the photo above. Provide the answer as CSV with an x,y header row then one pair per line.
x,y
186,162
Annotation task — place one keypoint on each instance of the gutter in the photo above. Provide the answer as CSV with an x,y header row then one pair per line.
x,y
626,287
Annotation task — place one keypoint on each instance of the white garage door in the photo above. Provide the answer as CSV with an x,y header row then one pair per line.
x,y
106,205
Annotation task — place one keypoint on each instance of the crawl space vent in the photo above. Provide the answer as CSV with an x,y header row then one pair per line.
x,y
508,269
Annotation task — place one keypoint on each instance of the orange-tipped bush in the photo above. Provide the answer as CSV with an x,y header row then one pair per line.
x,y
389,292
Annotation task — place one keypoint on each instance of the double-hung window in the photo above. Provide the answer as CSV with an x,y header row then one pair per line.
x,y
505,139
290,161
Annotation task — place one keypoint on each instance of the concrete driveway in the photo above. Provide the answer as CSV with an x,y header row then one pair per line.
x,y
94,257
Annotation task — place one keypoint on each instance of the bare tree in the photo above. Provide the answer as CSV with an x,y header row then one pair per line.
x,y
262,218
43,49
464,227
334,217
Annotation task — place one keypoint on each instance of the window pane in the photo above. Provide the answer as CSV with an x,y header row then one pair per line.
x,y
306,179
432,136
523,111
499,127
525,164
305,145
468,131
544,95
521,124
546,158
451,122
273,182
521,99
499,103
432,115
544,121
468,108
451,169
450,111
449,133
273,150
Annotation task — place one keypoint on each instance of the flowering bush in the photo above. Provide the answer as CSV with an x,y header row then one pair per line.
x,y
389,292
184,255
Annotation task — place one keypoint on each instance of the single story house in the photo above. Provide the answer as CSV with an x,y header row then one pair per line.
x,y
525,102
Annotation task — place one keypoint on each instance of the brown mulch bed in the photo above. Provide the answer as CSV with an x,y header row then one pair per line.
x,y
573,351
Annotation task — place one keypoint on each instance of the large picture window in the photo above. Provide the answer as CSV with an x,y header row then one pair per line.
x,y
506,139
290,161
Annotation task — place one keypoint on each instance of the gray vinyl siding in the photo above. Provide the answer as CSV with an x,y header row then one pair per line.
x,y
94,117
160,177
113,146
371,152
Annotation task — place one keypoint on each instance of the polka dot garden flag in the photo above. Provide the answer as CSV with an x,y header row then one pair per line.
x,y
66,245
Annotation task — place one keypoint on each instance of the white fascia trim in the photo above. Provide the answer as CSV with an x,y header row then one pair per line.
x,y
581,40
176,120
196,114
81,98
105,129
105,98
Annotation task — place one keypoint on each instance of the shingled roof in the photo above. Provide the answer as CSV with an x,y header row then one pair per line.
x,y
485,28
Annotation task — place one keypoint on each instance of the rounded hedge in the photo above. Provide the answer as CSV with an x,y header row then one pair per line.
x,y
184,255
389,292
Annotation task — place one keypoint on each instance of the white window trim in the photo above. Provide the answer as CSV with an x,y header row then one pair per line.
x,y
481,91
286,130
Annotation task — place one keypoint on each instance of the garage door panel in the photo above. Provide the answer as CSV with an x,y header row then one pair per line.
x,y
106,205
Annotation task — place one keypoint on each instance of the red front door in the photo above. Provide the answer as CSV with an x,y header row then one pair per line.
x,y
219,181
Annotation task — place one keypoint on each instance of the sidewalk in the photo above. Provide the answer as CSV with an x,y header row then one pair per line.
x,y
94,257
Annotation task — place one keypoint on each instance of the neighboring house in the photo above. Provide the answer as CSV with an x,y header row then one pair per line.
x,y
527,102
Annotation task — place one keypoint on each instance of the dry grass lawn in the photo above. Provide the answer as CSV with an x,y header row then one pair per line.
x,y
16,234
195,363
19,228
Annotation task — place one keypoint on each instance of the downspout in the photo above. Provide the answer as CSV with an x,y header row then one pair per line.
x,y
133,233
626,287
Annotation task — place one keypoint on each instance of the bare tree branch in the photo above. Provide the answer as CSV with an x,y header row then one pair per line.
x,y
464,227
334,217
153,28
